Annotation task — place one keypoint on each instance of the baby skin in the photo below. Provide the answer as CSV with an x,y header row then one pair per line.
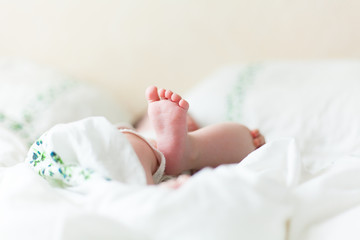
x,y
210,146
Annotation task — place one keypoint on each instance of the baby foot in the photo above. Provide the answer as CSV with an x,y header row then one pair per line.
x,y
168,114
258,138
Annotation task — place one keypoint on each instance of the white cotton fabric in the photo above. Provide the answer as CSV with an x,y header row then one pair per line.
x,y
267,196
12,148
159,173
95,144
230,202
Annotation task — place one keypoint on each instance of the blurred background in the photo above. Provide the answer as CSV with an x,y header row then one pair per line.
x,y
126,45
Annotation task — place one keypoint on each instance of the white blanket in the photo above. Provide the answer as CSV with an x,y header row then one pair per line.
x,y
267,196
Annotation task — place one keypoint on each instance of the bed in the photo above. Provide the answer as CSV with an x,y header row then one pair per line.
x,y
303,184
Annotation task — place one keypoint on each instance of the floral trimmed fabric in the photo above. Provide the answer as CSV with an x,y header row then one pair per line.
x,y
50,166
72,153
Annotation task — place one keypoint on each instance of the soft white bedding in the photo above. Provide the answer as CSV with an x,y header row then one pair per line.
x,y
303,184
230,202
265,197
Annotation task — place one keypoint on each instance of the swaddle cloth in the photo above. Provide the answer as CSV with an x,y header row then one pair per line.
x,y
158,176
69,154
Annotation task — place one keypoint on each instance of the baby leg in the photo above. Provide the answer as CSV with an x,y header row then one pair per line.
x,y
221,144
209,146
145,155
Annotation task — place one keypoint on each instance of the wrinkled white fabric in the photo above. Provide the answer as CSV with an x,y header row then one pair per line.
x,y
267,196
77,151
231,202
159,173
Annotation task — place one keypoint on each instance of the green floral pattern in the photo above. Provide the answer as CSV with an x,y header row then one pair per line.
x,y
49,165
236,97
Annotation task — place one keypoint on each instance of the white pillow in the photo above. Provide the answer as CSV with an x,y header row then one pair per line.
x,y
316,102
34,98
208,100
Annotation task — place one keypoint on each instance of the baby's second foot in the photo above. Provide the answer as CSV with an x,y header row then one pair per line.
x,y
258,138
168,112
